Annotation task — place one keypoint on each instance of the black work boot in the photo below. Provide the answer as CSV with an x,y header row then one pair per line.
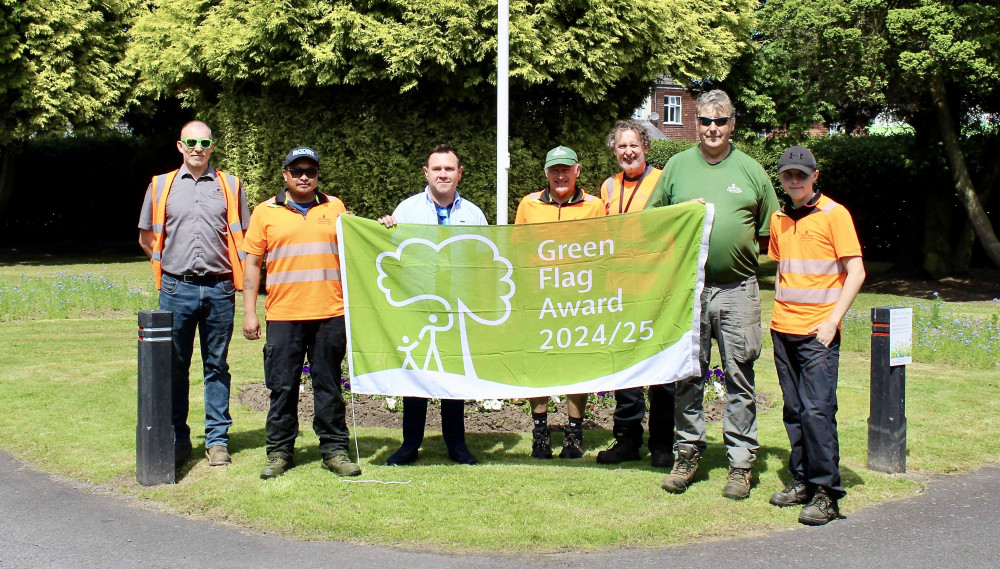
x,y
797,492
624,448
541,443
822,509
572,443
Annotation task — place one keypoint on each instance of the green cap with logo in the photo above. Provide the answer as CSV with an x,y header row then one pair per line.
x,y
560,155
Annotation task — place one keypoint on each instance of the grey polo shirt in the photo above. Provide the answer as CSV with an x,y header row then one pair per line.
x,y
195,226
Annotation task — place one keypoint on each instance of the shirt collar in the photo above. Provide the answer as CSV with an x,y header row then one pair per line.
x,y
209,173
280,198
434,204
577,197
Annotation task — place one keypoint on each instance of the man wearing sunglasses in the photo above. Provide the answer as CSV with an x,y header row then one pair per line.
x,y
740,190
191,226
438,204
297,230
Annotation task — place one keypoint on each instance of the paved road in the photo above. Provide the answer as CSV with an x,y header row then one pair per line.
x,y
46,523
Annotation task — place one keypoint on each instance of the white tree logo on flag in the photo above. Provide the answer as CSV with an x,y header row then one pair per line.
x,y
454,269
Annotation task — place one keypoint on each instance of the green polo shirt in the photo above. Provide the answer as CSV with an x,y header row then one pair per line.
x,y
743,197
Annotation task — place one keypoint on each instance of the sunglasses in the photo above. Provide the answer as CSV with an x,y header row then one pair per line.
x,y
193,142
297,172
706,121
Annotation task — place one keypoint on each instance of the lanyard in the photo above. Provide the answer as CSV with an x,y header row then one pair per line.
x,y
621,197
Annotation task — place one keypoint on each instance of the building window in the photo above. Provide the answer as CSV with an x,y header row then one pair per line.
x,y
672,110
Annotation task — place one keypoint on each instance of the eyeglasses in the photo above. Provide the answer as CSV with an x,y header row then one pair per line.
x,y
706,121
205,143
297,172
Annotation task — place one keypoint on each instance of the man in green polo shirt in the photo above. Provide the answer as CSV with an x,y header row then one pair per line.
x,y
741,192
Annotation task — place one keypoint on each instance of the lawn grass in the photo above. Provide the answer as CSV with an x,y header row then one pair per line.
x,y
68,405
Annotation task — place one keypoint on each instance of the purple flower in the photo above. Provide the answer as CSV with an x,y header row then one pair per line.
x,y
345,382
602,393
305,369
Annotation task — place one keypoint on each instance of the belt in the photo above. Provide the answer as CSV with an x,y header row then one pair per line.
x,y
201,279
735,284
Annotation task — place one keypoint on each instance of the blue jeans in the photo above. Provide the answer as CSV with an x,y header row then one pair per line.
x,y
210,308
730,313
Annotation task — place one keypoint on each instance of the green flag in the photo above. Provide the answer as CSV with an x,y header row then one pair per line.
x,y
524,310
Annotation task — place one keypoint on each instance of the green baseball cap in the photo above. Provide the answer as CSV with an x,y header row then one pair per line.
x,y
560,155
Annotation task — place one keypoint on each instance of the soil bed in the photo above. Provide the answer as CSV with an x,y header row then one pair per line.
x,y
370,412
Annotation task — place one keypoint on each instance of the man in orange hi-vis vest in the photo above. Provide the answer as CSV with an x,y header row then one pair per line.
x,y
626,192
191,227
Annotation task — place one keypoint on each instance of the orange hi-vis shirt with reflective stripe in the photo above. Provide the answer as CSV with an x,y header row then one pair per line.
x,y
303,268
811,274
625,196
538,207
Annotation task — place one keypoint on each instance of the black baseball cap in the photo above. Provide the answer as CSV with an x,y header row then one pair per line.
x,y
302,152
798,158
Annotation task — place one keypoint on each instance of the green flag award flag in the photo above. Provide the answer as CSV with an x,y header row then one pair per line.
x,y
524,310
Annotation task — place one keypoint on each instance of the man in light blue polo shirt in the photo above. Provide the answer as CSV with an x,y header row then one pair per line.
x,y
438,204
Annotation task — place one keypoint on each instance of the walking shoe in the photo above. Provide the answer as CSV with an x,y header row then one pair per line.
x,y
341,464
684,469
822,509
218,455
661,458
405,455
738,485
541,443
572,444
797,492
624,448
462,455
181,455
276,466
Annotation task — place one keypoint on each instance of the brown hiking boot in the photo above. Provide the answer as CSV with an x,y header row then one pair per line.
x,y
738,485
218,455
684,469
822,509
341,464
797,492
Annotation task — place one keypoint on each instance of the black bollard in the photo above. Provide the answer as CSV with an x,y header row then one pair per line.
x,y
154,433
887,418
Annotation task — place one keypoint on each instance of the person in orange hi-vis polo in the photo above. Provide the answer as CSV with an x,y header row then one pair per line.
x,y
562,200
626,192
297,231
820,273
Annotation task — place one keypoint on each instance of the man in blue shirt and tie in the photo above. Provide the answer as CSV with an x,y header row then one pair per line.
x,y
439,204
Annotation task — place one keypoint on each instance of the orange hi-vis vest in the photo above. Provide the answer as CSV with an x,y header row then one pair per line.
x,y
234,228
619,198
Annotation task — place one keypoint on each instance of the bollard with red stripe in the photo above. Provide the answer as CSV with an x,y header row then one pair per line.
x,y
887,415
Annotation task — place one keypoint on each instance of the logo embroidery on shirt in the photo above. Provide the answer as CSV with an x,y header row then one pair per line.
x,y
734,189
324,221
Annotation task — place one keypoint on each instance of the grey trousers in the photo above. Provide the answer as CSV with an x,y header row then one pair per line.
x,y
730,314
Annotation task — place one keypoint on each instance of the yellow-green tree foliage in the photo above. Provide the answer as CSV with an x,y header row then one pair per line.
x,y
59,69
374,84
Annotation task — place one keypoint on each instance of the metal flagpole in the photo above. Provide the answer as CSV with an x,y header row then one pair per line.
x,y
503,75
